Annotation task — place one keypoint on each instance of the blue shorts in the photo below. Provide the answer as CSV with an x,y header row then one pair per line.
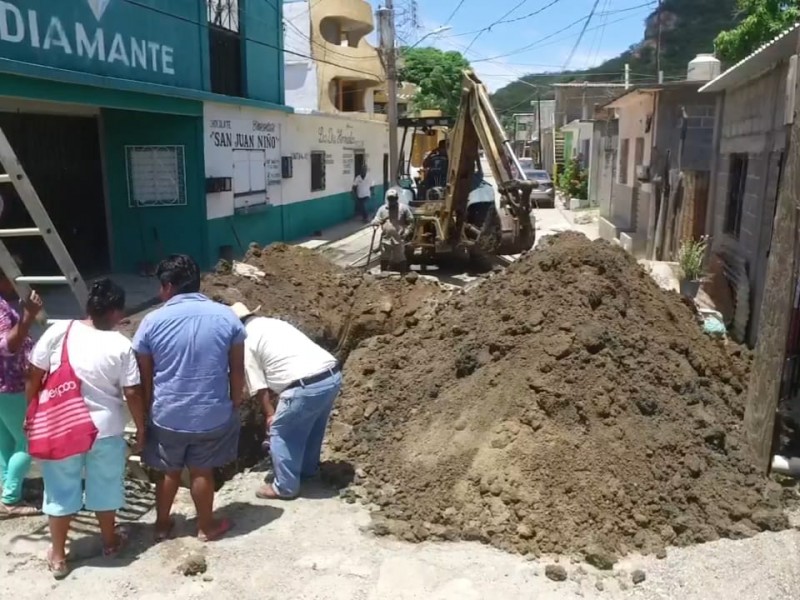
x,y
169,451
64,490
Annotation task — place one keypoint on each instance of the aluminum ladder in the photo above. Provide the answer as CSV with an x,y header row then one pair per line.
x,y
44,228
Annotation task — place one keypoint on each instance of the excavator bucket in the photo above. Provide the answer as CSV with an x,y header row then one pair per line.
x,y
509,227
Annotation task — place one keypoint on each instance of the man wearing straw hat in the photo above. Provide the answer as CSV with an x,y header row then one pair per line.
x,y
283,364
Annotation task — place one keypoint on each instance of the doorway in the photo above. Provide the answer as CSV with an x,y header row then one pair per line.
x,y
61,155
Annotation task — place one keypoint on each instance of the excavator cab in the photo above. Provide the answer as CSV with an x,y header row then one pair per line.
x,y
419,180
466,215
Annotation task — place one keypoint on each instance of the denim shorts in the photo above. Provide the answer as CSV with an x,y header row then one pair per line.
x,y
104,469
169,451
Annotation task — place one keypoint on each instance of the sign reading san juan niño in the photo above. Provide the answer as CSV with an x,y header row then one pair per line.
x,y
106,37
224,136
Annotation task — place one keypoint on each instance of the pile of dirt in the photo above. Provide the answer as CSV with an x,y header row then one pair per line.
x,y
566,405
338,308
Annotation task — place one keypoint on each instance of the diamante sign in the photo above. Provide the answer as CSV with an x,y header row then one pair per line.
x,y
108,37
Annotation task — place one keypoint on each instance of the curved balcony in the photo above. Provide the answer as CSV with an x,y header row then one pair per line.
x,y
346,75
354,18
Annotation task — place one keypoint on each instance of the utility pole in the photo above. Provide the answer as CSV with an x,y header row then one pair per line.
x,y
539,126
775,316
658,44
386,19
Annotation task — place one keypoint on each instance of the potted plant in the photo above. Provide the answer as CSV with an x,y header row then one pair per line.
x,y
691,257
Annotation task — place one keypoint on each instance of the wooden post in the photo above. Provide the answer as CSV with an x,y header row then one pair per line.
x,y
766,374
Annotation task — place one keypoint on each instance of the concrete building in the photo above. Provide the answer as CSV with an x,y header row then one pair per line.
x,y
160,127
330,65
755,103
651,119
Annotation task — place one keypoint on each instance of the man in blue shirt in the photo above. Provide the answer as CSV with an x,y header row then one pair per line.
x,y
191,357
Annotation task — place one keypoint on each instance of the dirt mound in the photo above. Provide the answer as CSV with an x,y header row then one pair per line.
x,y
566,405
337,308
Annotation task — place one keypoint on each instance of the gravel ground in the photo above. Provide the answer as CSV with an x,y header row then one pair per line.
x,y
316,548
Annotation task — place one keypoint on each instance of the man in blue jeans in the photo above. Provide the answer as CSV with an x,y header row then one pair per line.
x,y
283,365
191,357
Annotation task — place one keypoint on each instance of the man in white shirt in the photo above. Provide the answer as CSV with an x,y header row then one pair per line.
x,y
362,193
281,362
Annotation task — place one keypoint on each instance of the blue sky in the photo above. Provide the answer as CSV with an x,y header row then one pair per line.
x,y
615,25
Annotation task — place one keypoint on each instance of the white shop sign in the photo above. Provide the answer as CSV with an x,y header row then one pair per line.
x,y
249,151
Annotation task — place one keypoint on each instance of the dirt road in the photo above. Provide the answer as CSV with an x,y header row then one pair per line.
x,y
314,549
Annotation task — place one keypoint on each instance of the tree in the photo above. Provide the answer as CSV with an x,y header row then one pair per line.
x,y
763,20
438,75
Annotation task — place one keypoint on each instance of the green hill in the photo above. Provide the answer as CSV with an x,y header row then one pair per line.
x,y
688,28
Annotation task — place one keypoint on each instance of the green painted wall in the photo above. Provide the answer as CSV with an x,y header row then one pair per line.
x,y
148,234
262,41
155,41
42,89
282,223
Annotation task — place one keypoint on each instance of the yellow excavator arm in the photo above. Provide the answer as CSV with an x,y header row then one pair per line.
x,y
509,228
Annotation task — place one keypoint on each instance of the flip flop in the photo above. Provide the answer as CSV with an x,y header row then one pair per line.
x,y
122,541
267,492
58,568
11,511
224,527
162,536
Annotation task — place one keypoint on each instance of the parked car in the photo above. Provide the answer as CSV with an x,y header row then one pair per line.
x,y
545,195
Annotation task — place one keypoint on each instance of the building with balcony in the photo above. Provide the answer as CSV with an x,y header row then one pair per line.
x,y
330,66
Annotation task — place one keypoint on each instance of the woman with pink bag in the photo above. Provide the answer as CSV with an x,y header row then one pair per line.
x,y
82,373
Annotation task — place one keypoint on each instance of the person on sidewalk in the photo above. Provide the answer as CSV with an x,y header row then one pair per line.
x,y
283,363
103,361
15,347
362,193
395,221
191,354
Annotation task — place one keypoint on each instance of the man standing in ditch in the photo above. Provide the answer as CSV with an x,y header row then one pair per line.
x,y
362,193
191,357
395,221
296,383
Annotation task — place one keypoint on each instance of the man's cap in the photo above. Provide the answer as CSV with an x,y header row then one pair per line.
x,y
242,312
392,193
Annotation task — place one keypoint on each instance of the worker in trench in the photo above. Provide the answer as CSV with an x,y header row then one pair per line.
x,y
296,381
396,221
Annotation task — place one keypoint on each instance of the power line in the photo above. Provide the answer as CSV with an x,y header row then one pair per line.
x,y
538,43
248,39
455,10
648,4
477,35
580,37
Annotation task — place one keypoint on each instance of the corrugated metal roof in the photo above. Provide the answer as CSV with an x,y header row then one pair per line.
x,y
780,48
588,84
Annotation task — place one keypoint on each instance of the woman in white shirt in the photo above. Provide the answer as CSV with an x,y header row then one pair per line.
x,y
104,363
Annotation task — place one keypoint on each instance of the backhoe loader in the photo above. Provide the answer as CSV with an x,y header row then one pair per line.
x,y
453,220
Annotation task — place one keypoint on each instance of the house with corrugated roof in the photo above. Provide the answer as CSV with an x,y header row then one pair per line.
x,y
755,108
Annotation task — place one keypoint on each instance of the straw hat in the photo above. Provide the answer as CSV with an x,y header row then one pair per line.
x,y
242,312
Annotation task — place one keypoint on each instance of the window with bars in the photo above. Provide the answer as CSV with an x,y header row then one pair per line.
x,y
225,47
317,171
156,176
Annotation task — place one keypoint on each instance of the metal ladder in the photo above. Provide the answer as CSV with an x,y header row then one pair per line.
x,y
15,175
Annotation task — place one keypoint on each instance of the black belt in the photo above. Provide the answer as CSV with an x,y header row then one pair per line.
x,y
306,381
